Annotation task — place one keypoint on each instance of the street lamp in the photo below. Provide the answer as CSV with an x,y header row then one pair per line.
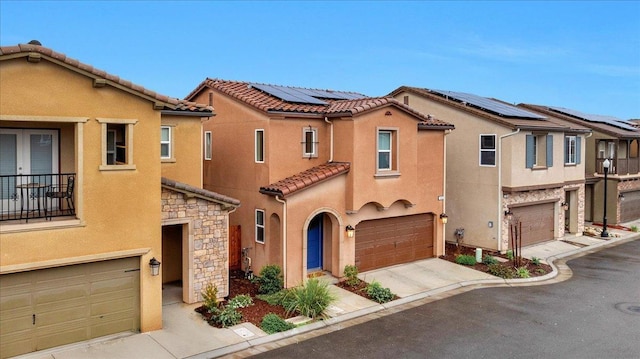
x,y
605,164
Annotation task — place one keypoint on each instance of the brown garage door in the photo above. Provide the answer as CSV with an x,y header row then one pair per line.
x,y
630,207
537,223
51,307
384,242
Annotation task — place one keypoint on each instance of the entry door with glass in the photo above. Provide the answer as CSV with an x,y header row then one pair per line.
x,y
28,162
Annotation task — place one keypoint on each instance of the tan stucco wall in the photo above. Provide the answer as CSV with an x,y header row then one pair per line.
x,y
117,210
186,163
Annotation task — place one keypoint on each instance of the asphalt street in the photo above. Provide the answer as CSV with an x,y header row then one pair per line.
x,y
594,314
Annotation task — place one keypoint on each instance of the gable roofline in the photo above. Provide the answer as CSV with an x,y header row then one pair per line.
x,y
35,53
191,191
510,123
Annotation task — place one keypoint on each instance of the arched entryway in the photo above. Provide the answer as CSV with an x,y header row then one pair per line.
x,y
315,243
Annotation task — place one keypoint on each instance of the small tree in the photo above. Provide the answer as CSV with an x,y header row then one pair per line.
x,y
351,275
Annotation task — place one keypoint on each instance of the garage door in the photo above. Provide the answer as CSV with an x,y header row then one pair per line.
x,y
630,207
537,223
384,242
51,307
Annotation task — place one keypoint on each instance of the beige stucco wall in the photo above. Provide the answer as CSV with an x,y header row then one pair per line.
x,y
117,210
186,163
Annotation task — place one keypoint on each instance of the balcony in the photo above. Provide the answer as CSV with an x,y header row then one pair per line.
x,y
37,197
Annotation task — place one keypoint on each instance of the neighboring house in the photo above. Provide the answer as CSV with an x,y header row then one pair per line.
x,y
613,139
309,165
506,165
84,206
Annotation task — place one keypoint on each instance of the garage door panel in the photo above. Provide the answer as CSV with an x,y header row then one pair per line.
x,y
54,336
537,223
630,206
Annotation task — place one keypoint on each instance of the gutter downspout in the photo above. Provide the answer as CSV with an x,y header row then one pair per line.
x,y
444,186
284,238
326,119
500,194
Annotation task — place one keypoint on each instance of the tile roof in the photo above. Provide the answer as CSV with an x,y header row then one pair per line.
x,y
306,179
263,101
36,52
199,192
548,123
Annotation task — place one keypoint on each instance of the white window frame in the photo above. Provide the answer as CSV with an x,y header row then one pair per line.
x,y
168,143
260,227
485,150
208,145
380,151
259,152
129,124
314,142
571,152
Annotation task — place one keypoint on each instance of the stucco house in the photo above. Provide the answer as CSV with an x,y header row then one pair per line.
x,y
99,183
506,165
614,139
326,178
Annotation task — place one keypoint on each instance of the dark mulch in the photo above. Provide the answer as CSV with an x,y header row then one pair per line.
x,y
359,289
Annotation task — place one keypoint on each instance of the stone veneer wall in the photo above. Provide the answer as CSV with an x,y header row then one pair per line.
x,y
208,226
553,194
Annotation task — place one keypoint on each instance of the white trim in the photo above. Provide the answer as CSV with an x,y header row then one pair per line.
x,y
258,226
168,142
208,147
494,150
567,161
314,142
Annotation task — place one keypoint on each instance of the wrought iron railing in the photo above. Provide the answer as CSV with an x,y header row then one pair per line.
x,y
30,196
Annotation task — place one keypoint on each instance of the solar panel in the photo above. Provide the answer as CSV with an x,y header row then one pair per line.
x,y
288,94
489,105
608,120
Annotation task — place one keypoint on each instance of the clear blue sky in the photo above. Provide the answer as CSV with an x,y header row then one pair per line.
x,y
580,55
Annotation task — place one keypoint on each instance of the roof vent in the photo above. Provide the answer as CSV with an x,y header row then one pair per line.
x,y
35,42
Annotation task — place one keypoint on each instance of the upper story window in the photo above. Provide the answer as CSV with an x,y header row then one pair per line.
x,y
117,144
571,150
259,141
487,150
259,225
165,142
387,159
208,145
309,142
539,151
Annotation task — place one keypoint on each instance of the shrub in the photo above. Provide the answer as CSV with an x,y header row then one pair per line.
x,y
541,271
501,271
379,294
488,259
272,323
240,301
523,272
535,260
634,228
210,297
351,273
228,317
270,279
310,300
273,298
466,260
510,255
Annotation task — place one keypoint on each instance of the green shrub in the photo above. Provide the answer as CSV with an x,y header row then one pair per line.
x,y
240,301
541,271
535,260
510,255
634,228
501,271
351,273
379,294
270,279
466,260
523,272
228,317
210,297
488,259
272,323
310,300
273,298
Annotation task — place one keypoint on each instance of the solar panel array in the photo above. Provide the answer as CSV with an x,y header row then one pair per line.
x,y
303,95
609,120
489,105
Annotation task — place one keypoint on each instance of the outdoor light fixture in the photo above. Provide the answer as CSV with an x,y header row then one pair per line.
x,y
621,196
155,266
565,206
350,231
605,165
508,214
444,218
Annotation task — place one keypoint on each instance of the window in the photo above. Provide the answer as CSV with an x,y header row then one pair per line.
x,y
571,150
487,150
207,145
165,142
117,144
384,150
260,146
259,226
309,142
539,151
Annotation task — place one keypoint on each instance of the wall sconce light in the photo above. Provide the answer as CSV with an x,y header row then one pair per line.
x,y
350,231
621,196
565,206
508,214
155,266
444,218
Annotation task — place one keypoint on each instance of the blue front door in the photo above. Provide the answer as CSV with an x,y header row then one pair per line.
x,y
314,243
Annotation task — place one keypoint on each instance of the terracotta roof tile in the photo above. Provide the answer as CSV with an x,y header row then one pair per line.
x,y
306,179
169,103
199,192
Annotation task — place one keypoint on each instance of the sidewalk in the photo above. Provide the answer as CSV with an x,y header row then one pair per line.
x,y
186,335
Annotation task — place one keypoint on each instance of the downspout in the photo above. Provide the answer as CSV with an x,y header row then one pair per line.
x,y
331,138
284,239
444,186
500,194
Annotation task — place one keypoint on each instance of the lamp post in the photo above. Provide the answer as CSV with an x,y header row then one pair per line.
x,y
605,164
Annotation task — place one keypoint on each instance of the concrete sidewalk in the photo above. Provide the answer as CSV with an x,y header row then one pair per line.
x,y
186,335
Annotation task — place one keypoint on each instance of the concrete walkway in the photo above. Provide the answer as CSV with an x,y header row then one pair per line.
x,y
186,335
